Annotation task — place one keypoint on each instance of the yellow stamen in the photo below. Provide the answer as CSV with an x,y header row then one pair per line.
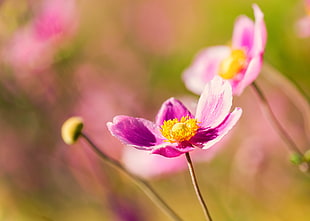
x,y
233,64
179,130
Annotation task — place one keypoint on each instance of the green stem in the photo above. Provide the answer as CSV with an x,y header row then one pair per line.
x,y
281,131
196,187
142,184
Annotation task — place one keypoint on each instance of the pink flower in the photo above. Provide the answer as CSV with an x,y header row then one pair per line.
x,y
303,24
176,130
57,19
239,64
26,54
32,47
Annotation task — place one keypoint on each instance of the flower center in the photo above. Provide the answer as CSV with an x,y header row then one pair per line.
x,y
179,130
233,64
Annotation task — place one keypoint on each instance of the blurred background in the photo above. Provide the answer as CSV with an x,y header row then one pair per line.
x,y
100,58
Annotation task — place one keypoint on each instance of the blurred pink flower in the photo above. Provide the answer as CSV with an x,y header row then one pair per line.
x,y
239,64
176,131
57,19
25,53
32,48
303,24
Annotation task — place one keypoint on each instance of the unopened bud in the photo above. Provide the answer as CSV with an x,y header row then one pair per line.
x,y
307,156
296,159
71,129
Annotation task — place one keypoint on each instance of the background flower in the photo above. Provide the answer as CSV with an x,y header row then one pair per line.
x,y
239,63
302,26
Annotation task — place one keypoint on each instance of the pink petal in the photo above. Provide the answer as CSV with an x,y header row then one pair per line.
x,y
243,33
172,149
214,103
147,165
171,109
260,33
167,151
204,67
225,127
250,75
204,136
137,132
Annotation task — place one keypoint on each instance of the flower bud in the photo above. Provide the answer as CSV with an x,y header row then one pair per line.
x,y
307,156
296,158
71,129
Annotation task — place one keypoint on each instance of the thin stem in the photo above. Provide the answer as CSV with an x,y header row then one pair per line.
x,y
281,131
142,184
196,187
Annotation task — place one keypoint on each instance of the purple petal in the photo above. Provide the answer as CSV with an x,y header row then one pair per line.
x,y
170,109
214,103
225,127
249,76
167,151
203,136
185,146
260,34
136,132
204,67
173,150
243,33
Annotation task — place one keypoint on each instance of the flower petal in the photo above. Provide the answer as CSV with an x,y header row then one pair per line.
x,y
250,75
170,109
204,67
137,132
203,136
243,33
147,165
260,33
167,151
214,103
225,126
185,147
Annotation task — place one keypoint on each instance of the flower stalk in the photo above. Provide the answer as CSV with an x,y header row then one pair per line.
x,y
292,146
281,131
196,187
142,184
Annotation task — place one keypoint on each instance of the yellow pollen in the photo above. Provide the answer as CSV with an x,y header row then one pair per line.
x,y
233,64
179,130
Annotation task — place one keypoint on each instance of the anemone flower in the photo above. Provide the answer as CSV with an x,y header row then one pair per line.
x,y
239,63
176,131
